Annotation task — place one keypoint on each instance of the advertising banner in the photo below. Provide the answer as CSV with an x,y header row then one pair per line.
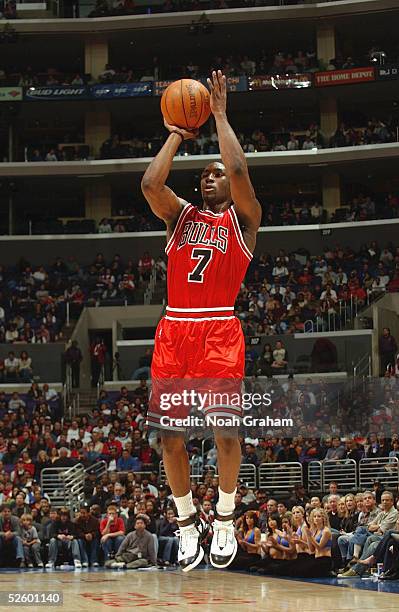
x,y
10,94
344,77
285,81
57,92
122,90
238,83
387,73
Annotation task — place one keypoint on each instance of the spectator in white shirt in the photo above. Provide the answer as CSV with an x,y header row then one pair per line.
x,y
16,402
293,143
279,146
329,293
308,144
73,432
316,211
11,333
48,393
11,364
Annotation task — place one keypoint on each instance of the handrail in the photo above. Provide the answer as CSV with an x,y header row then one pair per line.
x,y
280,476
384,469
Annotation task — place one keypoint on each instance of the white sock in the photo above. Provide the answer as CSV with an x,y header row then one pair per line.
x,y
356,550
225,505
185,506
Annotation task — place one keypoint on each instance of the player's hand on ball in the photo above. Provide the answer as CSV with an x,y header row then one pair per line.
x,y
218,89
187,134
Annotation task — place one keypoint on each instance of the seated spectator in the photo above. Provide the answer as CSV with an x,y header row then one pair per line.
x,y
11,364
30,541
63,540
167,537
10,540
112,530
137,549
280,358
88,531
25,367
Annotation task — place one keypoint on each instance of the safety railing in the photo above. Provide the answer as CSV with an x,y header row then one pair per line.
x,y
384,469
315,476
248,475
280,476
64,486
99,468
199,475
341,471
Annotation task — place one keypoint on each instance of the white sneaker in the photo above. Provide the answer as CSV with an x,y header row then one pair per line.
x,y
40,564
190,552
30,565
95,564
118,565
224,544
77,564
50,565
84,564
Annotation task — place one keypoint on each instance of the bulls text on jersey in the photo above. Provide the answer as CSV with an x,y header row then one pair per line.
x,y
198,232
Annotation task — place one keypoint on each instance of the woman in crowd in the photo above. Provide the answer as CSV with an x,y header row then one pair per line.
x,y
25,367
42,462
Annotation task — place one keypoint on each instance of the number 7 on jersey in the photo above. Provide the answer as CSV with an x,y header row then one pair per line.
x,y
204,257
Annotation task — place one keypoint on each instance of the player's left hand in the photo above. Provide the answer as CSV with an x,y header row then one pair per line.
x,y
218,89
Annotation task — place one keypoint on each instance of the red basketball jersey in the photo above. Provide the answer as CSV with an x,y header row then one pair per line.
x,y
207,261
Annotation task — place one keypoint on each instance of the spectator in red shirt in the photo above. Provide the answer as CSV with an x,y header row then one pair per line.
x,y
112,529
98,351
146,265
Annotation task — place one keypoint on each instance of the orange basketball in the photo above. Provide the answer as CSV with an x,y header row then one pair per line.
x,y
185,104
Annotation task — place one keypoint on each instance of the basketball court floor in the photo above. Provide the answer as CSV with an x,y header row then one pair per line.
x,y
203,590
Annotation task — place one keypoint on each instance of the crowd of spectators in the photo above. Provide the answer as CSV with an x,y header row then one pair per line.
x,y
279,294
130,507
33,298
16,369
273,62
282,292
128,145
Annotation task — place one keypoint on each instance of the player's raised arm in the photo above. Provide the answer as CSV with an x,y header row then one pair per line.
x,y
248,209
164,203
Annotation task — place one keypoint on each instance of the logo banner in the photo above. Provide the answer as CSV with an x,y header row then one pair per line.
x,y
285,81
344,77
57,92
123,90
10,94
238,83
387,73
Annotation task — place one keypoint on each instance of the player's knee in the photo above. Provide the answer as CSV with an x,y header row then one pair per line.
x,y
173,444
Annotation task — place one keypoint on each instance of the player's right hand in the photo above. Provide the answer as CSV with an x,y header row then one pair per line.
x,y
187,134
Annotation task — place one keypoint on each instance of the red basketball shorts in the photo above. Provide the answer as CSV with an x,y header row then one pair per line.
x,y
197,372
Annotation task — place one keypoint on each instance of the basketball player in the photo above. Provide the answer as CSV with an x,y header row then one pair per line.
x,y
209,249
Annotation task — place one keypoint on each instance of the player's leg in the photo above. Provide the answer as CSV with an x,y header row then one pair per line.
x,y
224,543
177,469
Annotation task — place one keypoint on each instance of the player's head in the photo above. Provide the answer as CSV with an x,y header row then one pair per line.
x,y
215,185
